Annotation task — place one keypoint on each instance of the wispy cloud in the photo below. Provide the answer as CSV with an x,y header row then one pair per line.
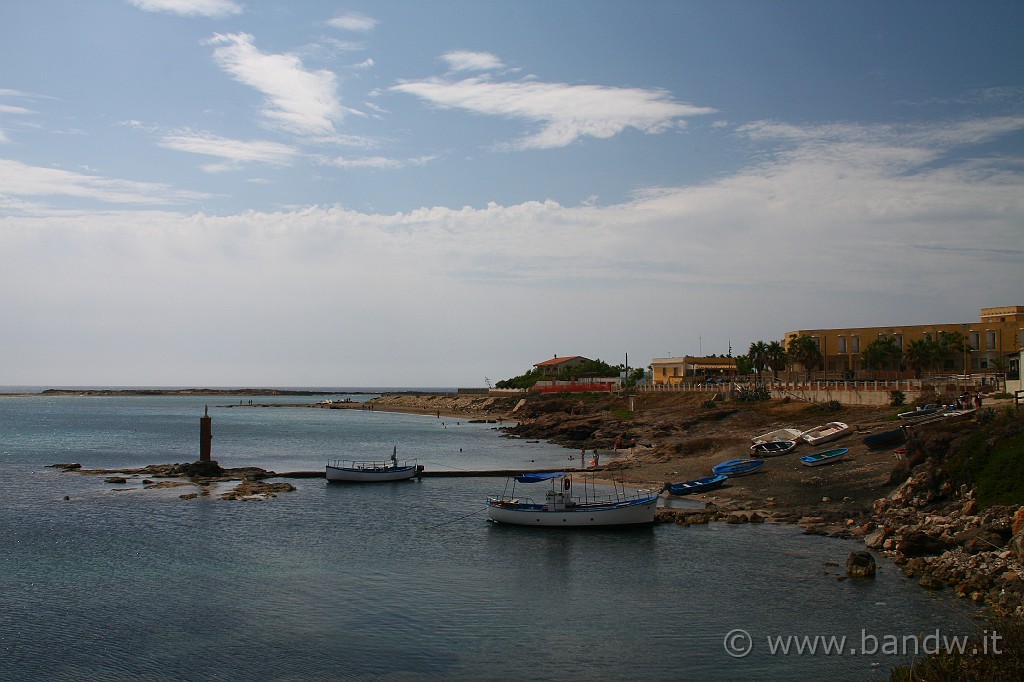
x,y
297,100
564,112
353,21
236,152
213,9
465,60
376,162
22,180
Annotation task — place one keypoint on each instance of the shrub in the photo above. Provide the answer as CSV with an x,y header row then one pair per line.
x,y
897,398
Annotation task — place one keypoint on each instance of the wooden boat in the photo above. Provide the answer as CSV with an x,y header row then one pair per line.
x,y
885,438
920,413
562,509
355,471
698,485
777,435
824,457
825,433
738,467
772,448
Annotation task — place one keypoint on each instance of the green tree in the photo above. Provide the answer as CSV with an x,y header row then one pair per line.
x,y
758,357
952,345
920,355
881,353
743,365
776,357
804,350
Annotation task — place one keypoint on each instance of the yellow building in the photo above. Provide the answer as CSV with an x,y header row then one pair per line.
x,y
999,333
671,371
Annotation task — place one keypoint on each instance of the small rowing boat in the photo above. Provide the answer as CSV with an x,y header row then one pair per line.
x,y
824,433
823,457
738,467
697,485
772,448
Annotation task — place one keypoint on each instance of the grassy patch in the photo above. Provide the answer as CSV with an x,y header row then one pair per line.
x,y
992,460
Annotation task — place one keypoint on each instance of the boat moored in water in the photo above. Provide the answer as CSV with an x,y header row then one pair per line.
x,y
562,507
369,471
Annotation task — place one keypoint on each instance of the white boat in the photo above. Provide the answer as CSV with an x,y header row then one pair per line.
x,y
772,448
367,471
825,433
777,435
561,509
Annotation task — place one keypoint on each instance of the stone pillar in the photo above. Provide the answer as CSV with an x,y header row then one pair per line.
x,y
205,435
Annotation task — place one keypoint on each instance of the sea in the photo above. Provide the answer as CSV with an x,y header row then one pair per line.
x,y
399,581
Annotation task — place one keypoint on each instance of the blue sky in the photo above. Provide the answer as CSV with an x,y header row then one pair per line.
x,y
229,192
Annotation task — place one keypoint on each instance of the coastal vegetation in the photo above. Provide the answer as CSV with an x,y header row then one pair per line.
x,y
588,368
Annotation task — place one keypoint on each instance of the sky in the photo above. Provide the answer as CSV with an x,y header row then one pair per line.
x,y
404,193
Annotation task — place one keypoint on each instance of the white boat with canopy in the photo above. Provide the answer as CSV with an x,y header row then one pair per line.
x,y
560,507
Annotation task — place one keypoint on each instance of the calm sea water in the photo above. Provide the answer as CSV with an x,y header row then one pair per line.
x,y
388,582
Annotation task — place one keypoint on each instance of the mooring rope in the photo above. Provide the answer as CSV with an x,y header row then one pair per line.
x,y
445,523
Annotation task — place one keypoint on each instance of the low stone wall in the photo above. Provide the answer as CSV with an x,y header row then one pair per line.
x,y
844,396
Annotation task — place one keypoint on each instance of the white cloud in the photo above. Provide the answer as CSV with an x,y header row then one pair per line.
x,y
22,180
213,9
565,112
376,162
353,21
235,151
297,100
10,109
465,60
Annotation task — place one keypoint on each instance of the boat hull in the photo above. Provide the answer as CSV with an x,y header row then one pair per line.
x,y
356,475
825,457
738,467
629,513
697,486
777,435
772,448
825,433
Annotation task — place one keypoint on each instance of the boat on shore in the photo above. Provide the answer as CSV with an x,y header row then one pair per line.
x,y
825,433
369,471
772,448
698,485
738,467
777,435
920,413
824,457
562,508
885,438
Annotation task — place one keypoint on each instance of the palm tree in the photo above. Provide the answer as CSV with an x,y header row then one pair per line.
x,y
881,352
776,357
758,357
804,350
920,354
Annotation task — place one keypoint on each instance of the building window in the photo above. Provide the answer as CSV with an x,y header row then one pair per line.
x,y
842,344
975,340
856,344
990,340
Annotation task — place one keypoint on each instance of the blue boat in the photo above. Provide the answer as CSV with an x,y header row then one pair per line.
x,y
823,457
885,438
698,485
738,467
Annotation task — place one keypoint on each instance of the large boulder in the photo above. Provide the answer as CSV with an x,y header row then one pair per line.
x,y
915,543
860,565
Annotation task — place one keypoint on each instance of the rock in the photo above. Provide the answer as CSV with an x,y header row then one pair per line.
x,y
826,499
917,543
930,582
876,539
860,565
980,540
116,479
1018,521
189,496
66,467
